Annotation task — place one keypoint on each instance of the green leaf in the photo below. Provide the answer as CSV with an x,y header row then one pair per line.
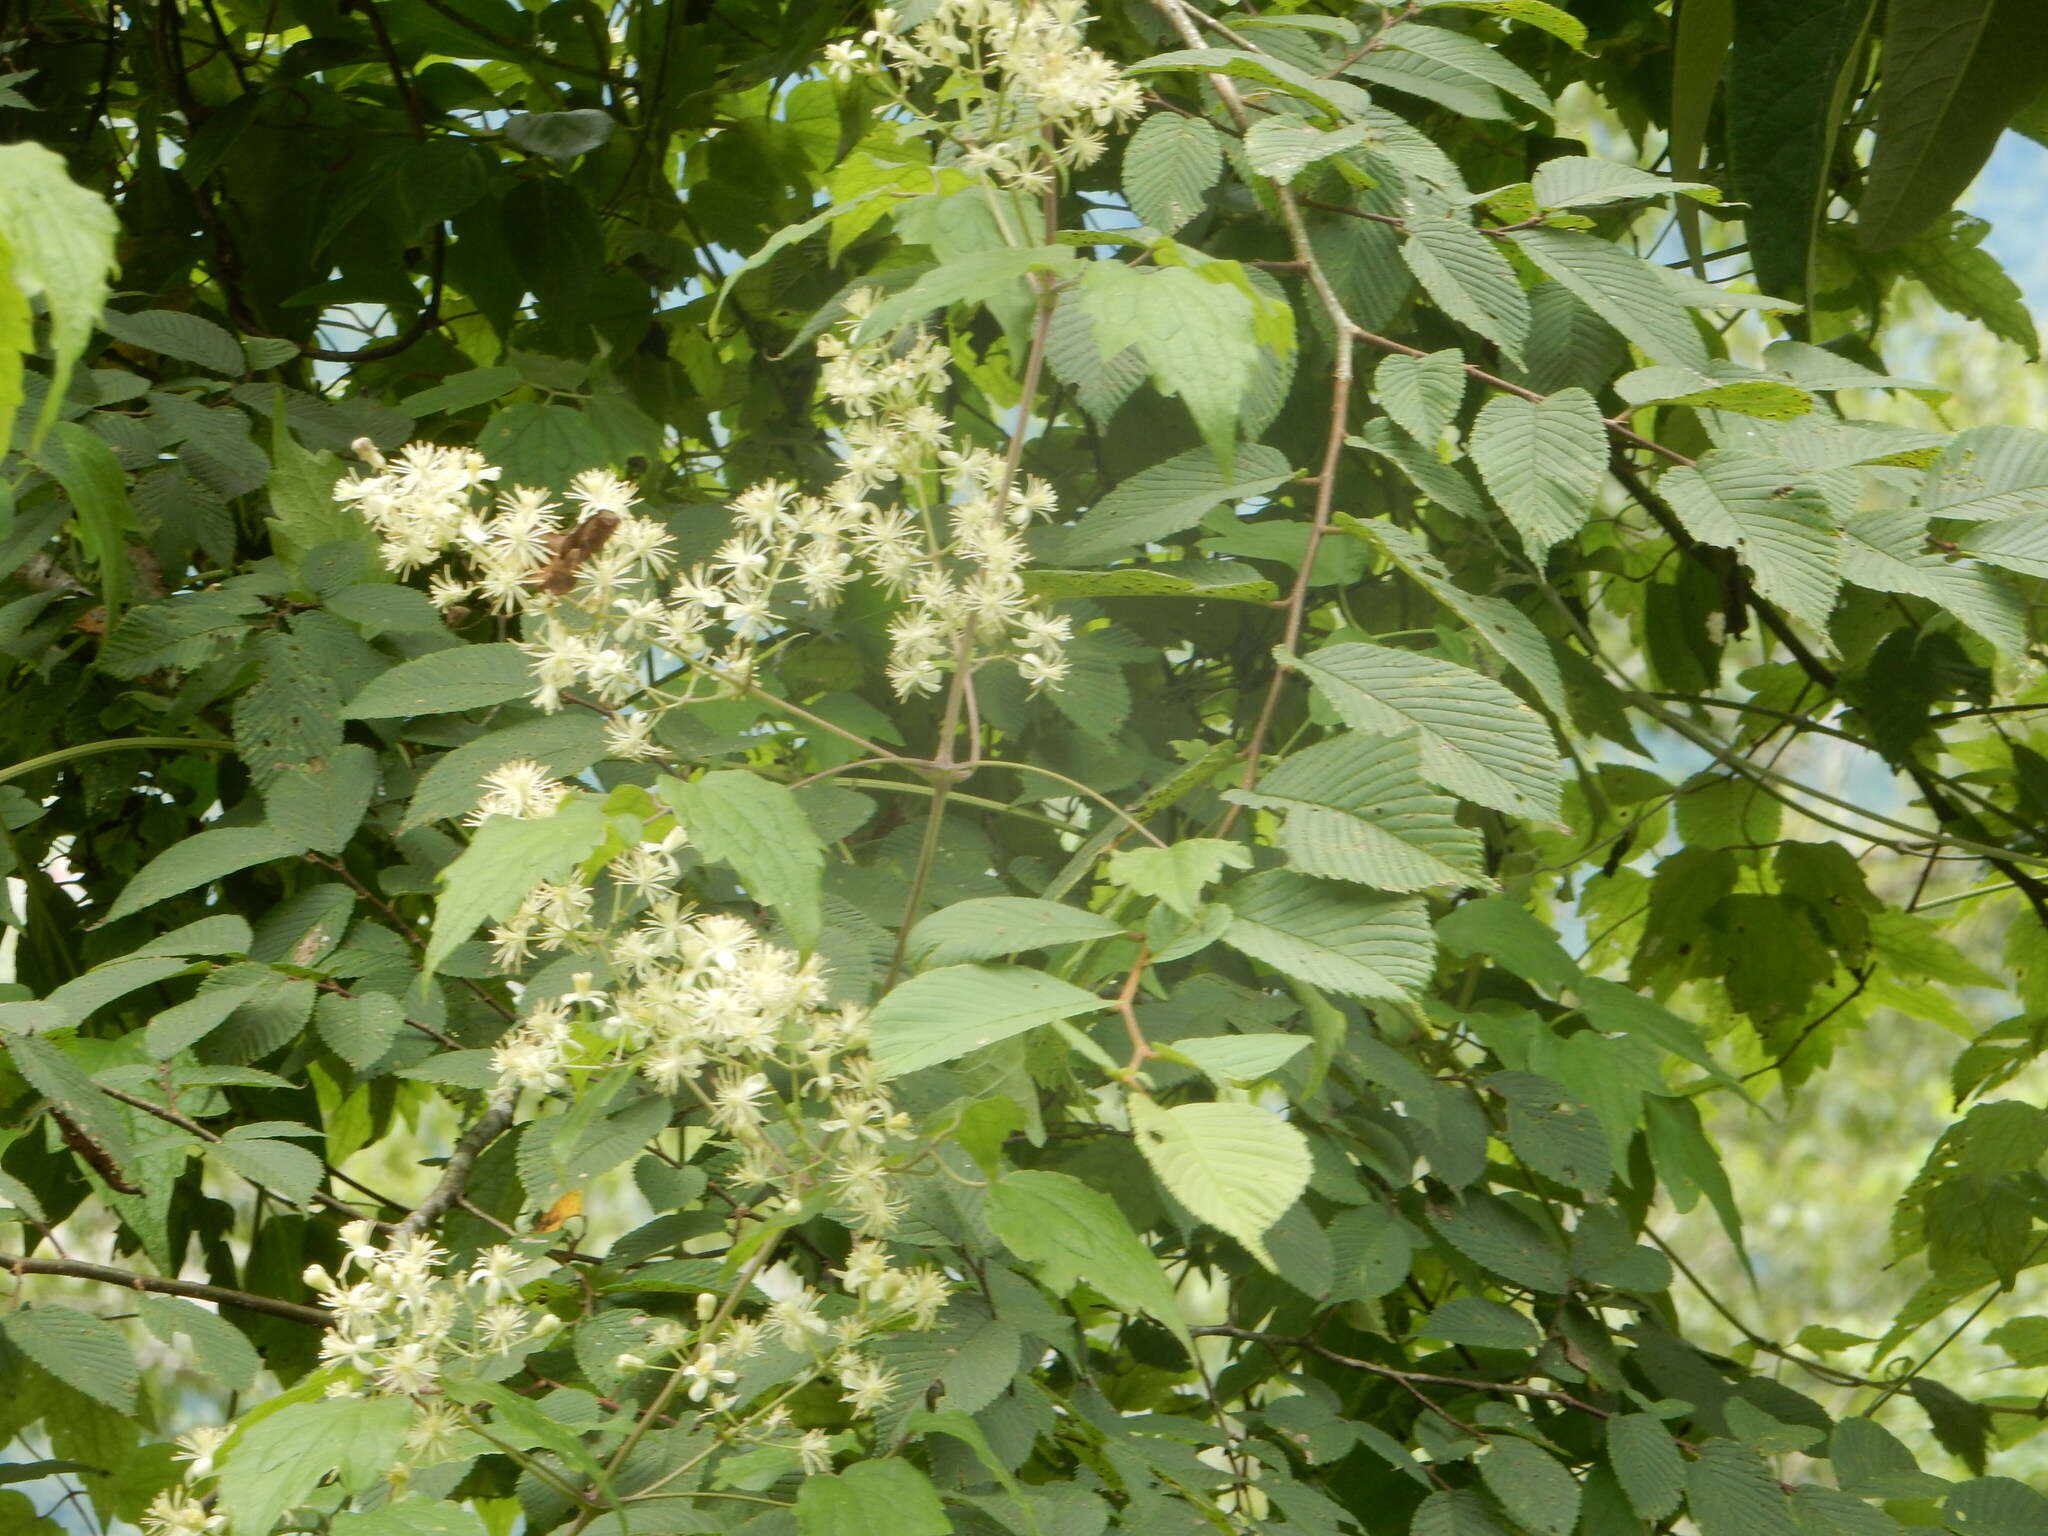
x,y
527,1425
1437,481
1332,96
1198,337
1646,1464
85,1351
1229,1059
993,926
414,1517
379,607
60,238
1422,394
564,744
460,391
1887,552
560,135
1467,54
1283,148
1624,290
1580,181
974,277
92,477
1996,1506
1559,23
1074,1233
274,1464
1497,1237
1762,509
504,860
174,333
441,682
1955,72
1169,163
759,828
58,1078
871,1498
1532,1486
1164,500
1455,1512
938,1015
1766,399
1502,627
321,803
1556,1137
1476,739
1376,947
1178,874
1225,581
1469,280
1359,811
358,1029
219,1347
542,444
199,860
1965,278
1480,1323
185,1024
1731,1492
1235,1166
290,1171
1544,461
1789,79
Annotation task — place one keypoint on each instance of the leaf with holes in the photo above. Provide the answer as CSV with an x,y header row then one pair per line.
x,y
1763,509
1235,1166
1169,164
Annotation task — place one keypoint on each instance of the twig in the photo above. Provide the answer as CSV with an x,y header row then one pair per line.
x,y
193,1290
493,1123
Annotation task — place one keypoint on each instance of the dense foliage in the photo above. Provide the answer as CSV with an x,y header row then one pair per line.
x,y
981,770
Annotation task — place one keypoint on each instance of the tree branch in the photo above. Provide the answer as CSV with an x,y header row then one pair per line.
x,y
192,1290
492,1124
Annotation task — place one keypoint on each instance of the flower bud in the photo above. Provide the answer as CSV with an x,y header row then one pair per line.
x,y
707,1304
546,1326
628,1363
317,1279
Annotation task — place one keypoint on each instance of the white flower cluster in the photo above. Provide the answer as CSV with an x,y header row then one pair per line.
x,y
397,1320
875,1297
703,1005
1031,96
935,525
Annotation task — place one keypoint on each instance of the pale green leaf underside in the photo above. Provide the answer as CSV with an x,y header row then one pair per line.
x,y
1476,739
1235,1166
938,1015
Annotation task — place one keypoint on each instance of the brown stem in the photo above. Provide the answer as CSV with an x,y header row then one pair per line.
x,y
1126,1008
492,1124
193,1290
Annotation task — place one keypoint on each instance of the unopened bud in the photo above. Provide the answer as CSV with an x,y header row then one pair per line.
x,y
628,1363
317,1279
547,1326
707,1303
